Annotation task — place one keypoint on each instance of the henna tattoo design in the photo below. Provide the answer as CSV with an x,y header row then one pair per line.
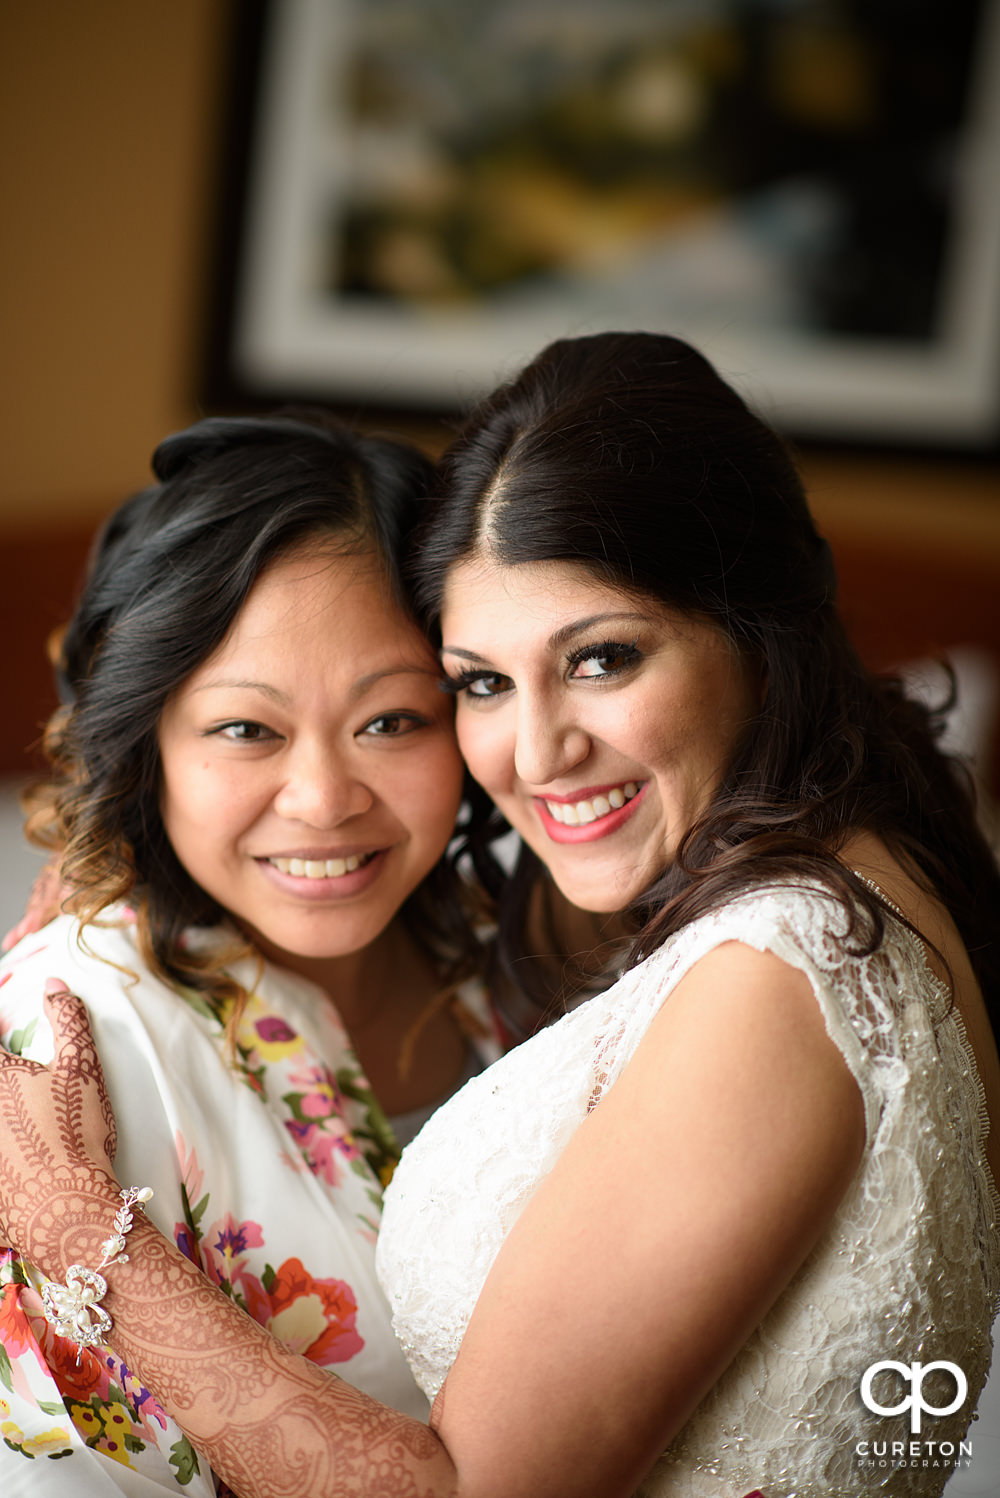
x,y
59,1133
270,1423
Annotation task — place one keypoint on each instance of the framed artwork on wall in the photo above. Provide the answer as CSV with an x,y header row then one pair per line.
x,y
810,192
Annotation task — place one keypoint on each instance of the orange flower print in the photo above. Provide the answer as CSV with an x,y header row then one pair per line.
x,y
24,1330
310,1316
74,1382
16,1335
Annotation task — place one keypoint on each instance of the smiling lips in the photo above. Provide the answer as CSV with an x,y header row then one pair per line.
x,y
581,813
592,816
321,868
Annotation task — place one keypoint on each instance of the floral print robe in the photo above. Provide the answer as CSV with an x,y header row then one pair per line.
x,y
267,1165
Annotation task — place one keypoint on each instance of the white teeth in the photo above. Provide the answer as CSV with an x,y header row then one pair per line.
x,y
581,813
318,868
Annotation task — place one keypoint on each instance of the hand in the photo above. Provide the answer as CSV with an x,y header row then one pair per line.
x,y
59,1138
44,904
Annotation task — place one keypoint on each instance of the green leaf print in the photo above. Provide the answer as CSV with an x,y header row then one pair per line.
x,y
200,1004
193,1215
21,1038
184,1460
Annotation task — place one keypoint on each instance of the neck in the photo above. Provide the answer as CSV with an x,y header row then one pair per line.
x,y
362,984
388,996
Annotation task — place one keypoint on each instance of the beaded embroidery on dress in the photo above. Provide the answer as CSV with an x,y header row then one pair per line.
x,y
908,1269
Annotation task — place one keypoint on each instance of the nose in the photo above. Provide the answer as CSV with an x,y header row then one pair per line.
x,y
550,742
322,788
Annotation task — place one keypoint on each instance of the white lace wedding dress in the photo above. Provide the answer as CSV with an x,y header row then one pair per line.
x,y
909,1268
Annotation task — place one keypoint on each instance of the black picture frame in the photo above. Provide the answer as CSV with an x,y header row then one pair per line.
x,y
282,330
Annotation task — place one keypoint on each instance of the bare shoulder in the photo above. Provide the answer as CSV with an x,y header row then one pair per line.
x,y
743,1029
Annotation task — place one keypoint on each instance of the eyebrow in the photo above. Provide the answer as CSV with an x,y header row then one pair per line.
x,y
356,690
559,637
231,683
364,683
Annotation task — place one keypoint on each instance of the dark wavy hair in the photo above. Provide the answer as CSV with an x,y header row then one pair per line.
x,y
628,454
168,574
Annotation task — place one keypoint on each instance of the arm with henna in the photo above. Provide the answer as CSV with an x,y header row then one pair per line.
x,y
596,1333
271,1423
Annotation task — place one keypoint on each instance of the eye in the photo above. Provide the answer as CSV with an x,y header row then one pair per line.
x,y
393,725
243,731
610,658
478,684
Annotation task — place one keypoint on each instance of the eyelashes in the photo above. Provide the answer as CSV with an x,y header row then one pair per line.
x,y
467,680
621,653
611,657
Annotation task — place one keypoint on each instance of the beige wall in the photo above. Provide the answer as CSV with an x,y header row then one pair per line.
x,y
109,116
108,113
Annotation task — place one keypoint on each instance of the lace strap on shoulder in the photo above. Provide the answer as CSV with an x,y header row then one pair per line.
x,y
805,925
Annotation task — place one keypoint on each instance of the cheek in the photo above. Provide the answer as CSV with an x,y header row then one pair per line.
x,y
203,803
440,785
487,748
425,791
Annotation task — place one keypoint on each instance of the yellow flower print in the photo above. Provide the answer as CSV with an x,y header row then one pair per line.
x,y
86,1421
108,1428
268,1038
48,1443
117,1429
54,1442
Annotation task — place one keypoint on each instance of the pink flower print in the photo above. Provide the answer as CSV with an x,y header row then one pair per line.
x,y
316,1104
324,1152
145,1404
15,1333
320,1080
224,1248
318,1125
191,1172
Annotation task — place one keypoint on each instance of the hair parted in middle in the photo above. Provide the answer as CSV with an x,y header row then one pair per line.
x,y
168,574
627,454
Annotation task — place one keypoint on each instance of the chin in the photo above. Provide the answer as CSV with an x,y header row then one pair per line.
x,y
596,901
608,895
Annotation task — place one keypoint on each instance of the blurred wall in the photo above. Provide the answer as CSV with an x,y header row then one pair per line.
x,y
110,115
